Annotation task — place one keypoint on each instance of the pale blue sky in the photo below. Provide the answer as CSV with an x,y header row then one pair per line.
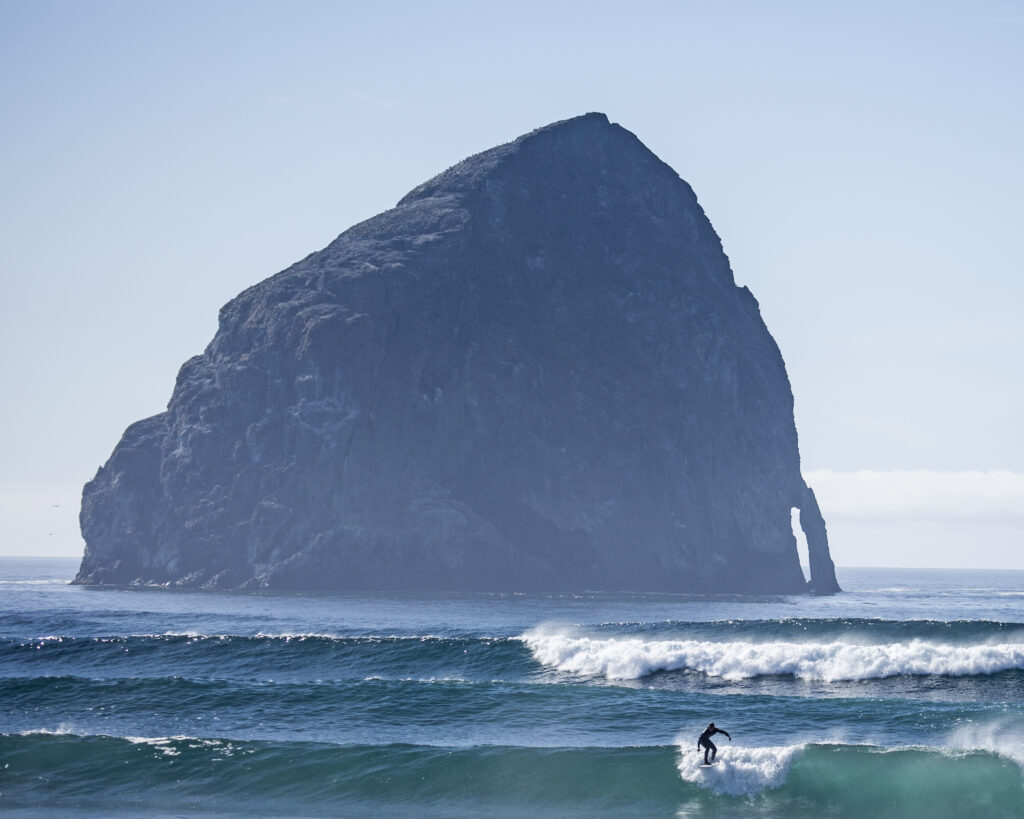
x,y
860,161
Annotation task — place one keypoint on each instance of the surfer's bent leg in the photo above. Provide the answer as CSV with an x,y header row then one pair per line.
x,y
709,746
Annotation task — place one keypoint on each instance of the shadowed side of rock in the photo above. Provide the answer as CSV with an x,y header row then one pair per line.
x,y
535,373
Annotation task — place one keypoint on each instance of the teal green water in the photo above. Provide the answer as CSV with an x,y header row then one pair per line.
x,y
902,696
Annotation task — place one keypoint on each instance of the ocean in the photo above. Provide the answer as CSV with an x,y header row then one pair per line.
x,y
902,696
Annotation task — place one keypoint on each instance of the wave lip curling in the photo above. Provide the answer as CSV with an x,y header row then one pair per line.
x,y
629,658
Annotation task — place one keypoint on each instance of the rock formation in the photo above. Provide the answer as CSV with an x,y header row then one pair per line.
x,y
534,373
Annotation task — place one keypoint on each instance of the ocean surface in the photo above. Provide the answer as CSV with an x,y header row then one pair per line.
x,y
903,696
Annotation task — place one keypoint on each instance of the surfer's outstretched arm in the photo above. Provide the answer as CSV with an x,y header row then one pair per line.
x,y
727,734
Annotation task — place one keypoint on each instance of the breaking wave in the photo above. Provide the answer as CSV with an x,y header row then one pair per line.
x,y
739,771
59,769
864,779
627,658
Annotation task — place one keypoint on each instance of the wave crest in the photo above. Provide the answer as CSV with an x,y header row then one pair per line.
x,y
627,658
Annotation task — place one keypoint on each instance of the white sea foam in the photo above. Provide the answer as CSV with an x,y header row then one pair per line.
x,y
62,730
627,658
162,744
355,637
1004,738
738,771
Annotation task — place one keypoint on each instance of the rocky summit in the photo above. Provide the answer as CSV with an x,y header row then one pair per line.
x,y
535,373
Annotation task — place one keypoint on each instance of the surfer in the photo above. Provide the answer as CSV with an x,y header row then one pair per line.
x,y
706,743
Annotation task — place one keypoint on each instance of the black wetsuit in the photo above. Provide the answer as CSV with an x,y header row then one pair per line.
x,y
706,743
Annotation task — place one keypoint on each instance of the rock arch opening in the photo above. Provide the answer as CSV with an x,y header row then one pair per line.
x,y
801,543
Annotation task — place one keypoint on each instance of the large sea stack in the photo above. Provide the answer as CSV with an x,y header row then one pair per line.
x,y
536,372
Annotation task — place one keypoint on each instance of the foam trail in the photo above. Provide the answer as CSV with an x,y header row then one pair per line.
x,y
626,658
738,771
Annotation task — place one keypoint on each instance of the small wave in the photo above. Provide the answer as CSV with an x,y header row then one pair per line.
x,y
50,582
60,731
293,657
627,658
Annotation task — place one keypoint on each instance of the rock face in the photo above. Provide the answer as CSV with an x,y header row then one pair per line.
x,y
534,373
